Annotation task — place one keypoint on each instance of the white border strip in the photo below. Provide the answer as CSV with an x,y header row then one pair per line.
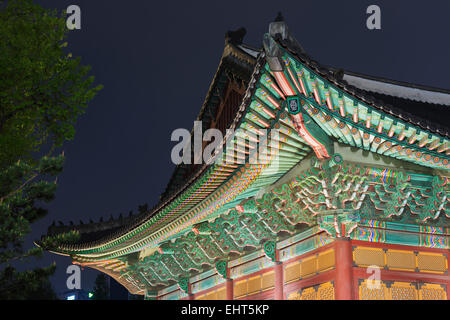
x,y
398,90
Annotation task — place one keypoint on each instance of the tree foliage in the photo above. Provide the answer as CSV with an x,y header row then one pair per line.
x,y
43,91
31,284
101,287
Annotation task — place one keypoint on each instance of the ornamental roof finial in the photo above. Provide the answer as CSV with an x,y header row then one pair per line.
x,y
235,37
279,28
279,17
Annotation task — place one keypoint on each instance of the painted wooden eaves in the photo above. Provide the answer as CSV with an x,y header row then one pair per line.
x,y
347,118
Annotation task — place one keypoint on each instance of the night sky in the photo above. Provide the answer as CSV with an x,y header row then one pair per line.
x,y
156,62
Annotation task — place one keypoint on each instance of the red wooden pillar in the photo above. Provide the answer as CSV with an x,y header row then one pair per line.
x,y
344,271
448,274
230,289
190,294
279,281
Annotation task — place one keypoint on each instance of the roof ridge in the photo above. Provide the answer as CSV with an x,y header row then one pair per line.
x,y
395,82
334,76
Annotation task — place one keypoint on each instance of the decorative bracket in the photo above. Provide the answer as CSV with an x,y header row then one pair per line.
x,y
270,249
183,282
221,267
338,224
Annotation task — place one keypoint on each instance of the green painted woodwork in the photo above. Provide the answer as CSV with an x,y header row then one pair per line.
x,y
352,121
270,248
184,284
333,195
231,208
293,105
291,149
221,267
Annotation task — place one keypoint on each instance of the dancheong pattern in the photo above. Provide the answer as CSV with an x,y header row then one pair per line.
x,y
329,195
232,208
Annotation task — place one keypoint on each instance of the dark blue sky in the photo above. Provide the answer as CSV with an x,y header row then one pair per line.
x,y
156,61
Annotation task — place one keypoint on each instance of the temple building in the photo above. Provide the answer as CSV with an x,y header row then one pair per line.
x,y
352,203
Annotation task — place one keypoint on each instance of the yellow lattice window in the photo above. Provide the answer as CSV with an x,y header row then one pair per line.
x,y
325,291
308,267
364,257
268,280
431,262
218,294
222,293
240,288
326,260
294,296
403,291
430,291
401,260
309,294
254,284
373,290
211,296
292,272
